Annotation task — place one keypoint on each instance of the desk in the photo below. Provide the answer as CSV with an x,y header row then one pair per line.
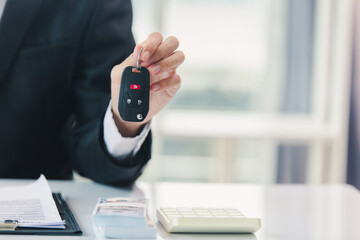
x,y
288,212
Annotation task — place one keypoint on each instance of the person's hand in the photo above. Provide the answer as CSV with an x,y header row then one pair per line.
x,y
162,60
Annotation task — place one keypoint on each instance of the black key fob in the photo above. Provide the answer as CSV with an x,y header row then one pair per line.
x,y
134,94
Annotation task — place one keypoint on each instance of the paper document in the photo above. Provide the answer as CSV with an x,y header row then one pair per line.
x,y
31,205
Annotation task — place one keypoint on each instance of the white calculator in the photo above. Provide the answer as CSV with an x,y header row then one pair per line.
x,y
206,220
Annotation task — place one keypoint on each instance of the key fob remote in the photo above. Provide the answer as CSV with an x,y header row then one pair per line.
x,y
134,94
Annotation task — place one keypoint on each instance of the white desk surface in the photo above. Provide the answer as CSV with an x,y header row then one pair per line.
x,y
299,212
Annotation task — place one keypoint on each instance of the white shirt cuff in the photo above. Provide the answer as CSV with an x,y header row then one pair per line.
x,y
118,146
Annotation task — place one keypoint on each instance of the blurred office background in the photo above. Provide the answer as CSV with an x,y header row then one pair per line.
x,y
266,91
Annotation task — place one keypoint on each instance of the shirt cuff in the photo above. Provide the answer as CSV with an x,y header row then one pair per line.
x,y
118,146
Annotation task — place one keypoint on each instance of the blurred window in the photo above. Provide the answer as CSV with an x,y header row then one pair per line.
x,y
255,91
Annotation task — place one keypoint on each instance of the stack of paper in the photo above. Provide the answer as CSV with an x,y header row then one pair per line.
x,y
123,218
31,205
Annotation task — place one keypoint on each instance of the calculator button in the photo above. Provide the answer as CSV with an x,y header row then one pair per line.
x,y
187,214
232,211
184,209
219,214
170,212
216,210
201,211
168,209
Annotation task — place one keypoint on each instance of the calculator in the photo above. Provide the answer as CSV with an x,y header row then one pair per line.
x,y
206,220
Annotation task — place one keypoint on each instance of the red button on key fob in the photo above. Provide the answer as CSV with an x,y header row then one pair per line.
x,y
135,87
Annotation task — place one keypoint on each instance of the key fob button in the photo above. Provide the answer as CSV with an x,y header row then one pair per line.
x,y
139,102
128,99
135,87
130,102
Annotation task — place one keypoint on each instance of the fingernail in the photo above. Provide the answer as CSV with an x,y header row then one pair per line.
x,y
155,69
155,87
145,56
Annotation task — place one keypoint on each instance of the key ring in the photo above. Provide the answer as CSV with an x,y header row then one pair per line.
x,y
138,59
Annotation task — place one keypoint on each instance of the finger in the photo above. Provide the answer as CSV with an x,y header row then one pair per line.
x,y
169,45
168,64
166,68
173,83
161,76
150,45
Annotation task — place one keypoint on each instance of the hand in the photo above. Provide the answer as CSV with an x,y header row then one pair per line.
x,y
162,60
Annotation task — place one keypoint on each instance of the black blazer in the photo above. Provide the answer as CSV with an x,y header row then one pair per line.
x,y
55,63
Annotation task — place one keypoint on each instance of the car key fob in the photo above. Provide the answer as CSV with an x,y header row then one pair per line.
x,y
134,94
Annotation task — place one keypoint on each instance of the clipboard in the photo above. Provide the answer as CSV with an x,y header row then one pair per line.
x,y
72,228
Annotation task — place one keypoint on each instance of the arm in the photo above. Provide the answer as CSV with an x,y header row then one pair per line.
x,y
112,41
106,42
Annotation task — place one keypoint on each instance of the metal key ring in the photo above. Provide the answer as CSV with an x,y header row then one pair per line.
x,y
138,59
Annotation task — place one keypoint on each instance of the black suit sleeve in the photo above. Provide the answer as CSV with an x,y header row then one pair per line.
x,y
107,41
